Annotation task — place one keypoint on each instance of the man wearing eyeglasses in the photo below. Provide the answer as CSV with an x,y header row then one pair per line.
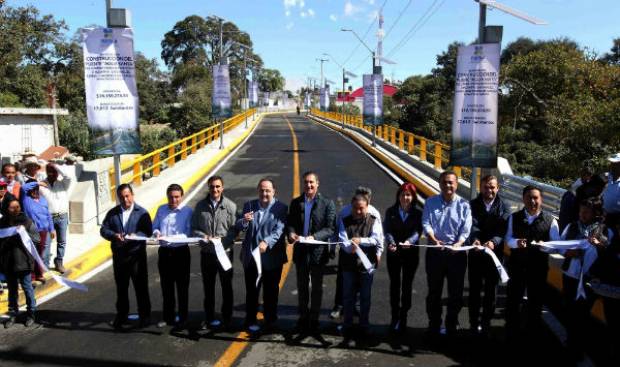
x,y
213,219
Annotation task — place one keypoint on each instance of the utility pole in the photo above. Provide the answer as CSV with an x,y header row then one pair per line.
x,y
222,63
117,157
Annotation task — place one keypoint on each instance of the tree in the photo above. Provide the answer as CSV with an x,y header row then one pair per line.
x,y
154,90
270,80
613,56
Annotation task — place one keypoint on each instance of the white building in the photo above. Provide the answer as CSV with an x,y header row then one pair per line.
x,y
26,130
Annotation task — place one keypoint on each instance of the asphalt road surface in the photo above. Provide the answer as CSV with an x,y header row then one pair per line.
x,y
73,328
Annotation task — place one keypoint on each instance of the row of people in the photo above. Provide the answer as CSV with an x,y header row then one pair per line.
x,y
447,220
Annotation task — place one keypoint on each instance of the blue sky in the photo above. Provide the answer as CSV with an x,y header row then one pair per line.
x,y
290,34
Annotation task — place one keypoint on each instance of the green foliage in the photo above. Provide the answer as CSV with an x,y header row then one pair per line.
x,y
153,137
270,80
558,106
73,133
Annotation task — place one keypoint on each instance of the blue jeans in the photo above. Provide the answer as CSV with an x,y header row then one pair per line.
x,y
24,278
61,222
354,282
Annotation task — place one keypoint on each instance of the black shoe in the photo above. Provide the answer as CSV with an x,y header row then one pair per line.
x,y
118,323
29,321
59,267
9,322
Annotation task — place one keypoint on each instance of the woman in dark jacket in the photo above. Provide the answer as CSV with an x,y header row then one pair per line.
x,y
17,263
402,227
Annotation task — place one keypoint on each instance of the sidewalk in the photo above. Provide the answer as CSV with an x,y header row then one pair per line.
x,y
86,251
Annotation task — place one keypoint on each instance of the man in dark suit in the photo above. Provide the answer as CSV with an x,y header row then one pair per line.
x,y
489,220
128,256
311,217
263,222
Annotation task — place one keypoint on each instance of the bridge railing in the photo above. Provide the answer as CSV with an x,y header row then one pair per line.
x,y
151,164
437,154
427,150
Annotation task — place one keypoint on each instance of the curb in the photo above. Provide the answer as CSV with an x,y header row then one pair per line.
x,y
101,252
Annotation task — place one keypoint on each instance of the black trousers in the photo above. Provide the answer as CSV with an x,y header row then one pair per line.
x,y
270,281
131,266
612,317
439,265
533,277
401,267
174,264
306,272
339,297
577,312
483,276
211,267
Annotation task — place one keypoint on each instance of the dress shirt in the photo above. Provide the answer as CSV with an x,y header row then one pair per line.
x,y
307,209
126,214
450,222
170,222
489,205
554,230
403,214
611,195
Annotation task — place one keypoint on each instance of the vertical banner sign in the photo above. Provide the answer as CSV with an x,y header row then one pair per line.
x,y
307,100
111,92
221,102
373,99
253,94
322,100
474,120
266,99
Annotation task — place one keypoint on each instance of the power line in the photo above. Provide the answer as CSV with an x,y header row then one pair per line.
x,y
397,19
430,11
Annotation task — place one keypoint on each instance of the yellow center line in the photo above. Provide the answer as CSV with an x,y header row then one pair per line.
x,y
235,349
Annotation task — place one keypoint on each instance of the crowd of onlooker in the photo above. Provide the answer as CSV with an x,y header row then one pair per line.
x,y
33,194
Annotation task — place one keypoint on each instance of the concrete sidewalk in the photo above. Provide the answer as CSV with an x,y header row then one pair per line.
x,y
86,251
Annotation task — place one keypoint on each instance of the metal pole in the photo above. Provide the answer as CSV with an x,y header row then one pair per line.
x,y
374,131
474,172
245,91
343,94
117,157
221,59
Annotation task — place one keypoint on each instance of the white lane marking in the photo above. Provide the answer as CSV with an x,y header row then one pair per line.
x,y
187,198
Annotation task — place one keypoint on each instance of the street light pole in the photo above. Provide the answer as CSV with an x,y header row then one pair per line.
x,y
221,59
374,130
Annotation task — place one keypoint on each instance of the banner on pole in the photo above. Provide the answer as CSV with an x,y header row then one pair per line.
x,y
253,93
324,98
266,99
474,120
307,100
373,99
221,101
111,91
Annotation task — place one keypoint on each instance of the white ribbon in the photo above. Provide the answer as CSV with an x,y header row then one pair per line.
x,y
564,245
220,252
500,269
259,266
365,261
32,250
308,241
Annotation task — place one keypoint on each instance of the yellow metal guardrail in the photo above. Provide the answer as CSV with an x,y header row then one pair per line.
x,y
165,157
427,150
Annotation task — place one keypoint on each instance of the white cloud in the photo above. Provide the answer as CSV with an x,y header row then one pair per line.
x,y
301,3
302,14
287,13
333,17
350,9
311,13
373,15
290,25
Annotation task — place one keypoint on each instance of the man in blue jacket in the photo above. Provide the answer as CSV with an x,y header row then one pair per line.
x,y
128,256
263,222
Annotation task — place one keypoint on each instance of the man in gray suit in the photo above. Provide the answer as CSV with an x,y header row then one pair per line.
x,y
263,252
